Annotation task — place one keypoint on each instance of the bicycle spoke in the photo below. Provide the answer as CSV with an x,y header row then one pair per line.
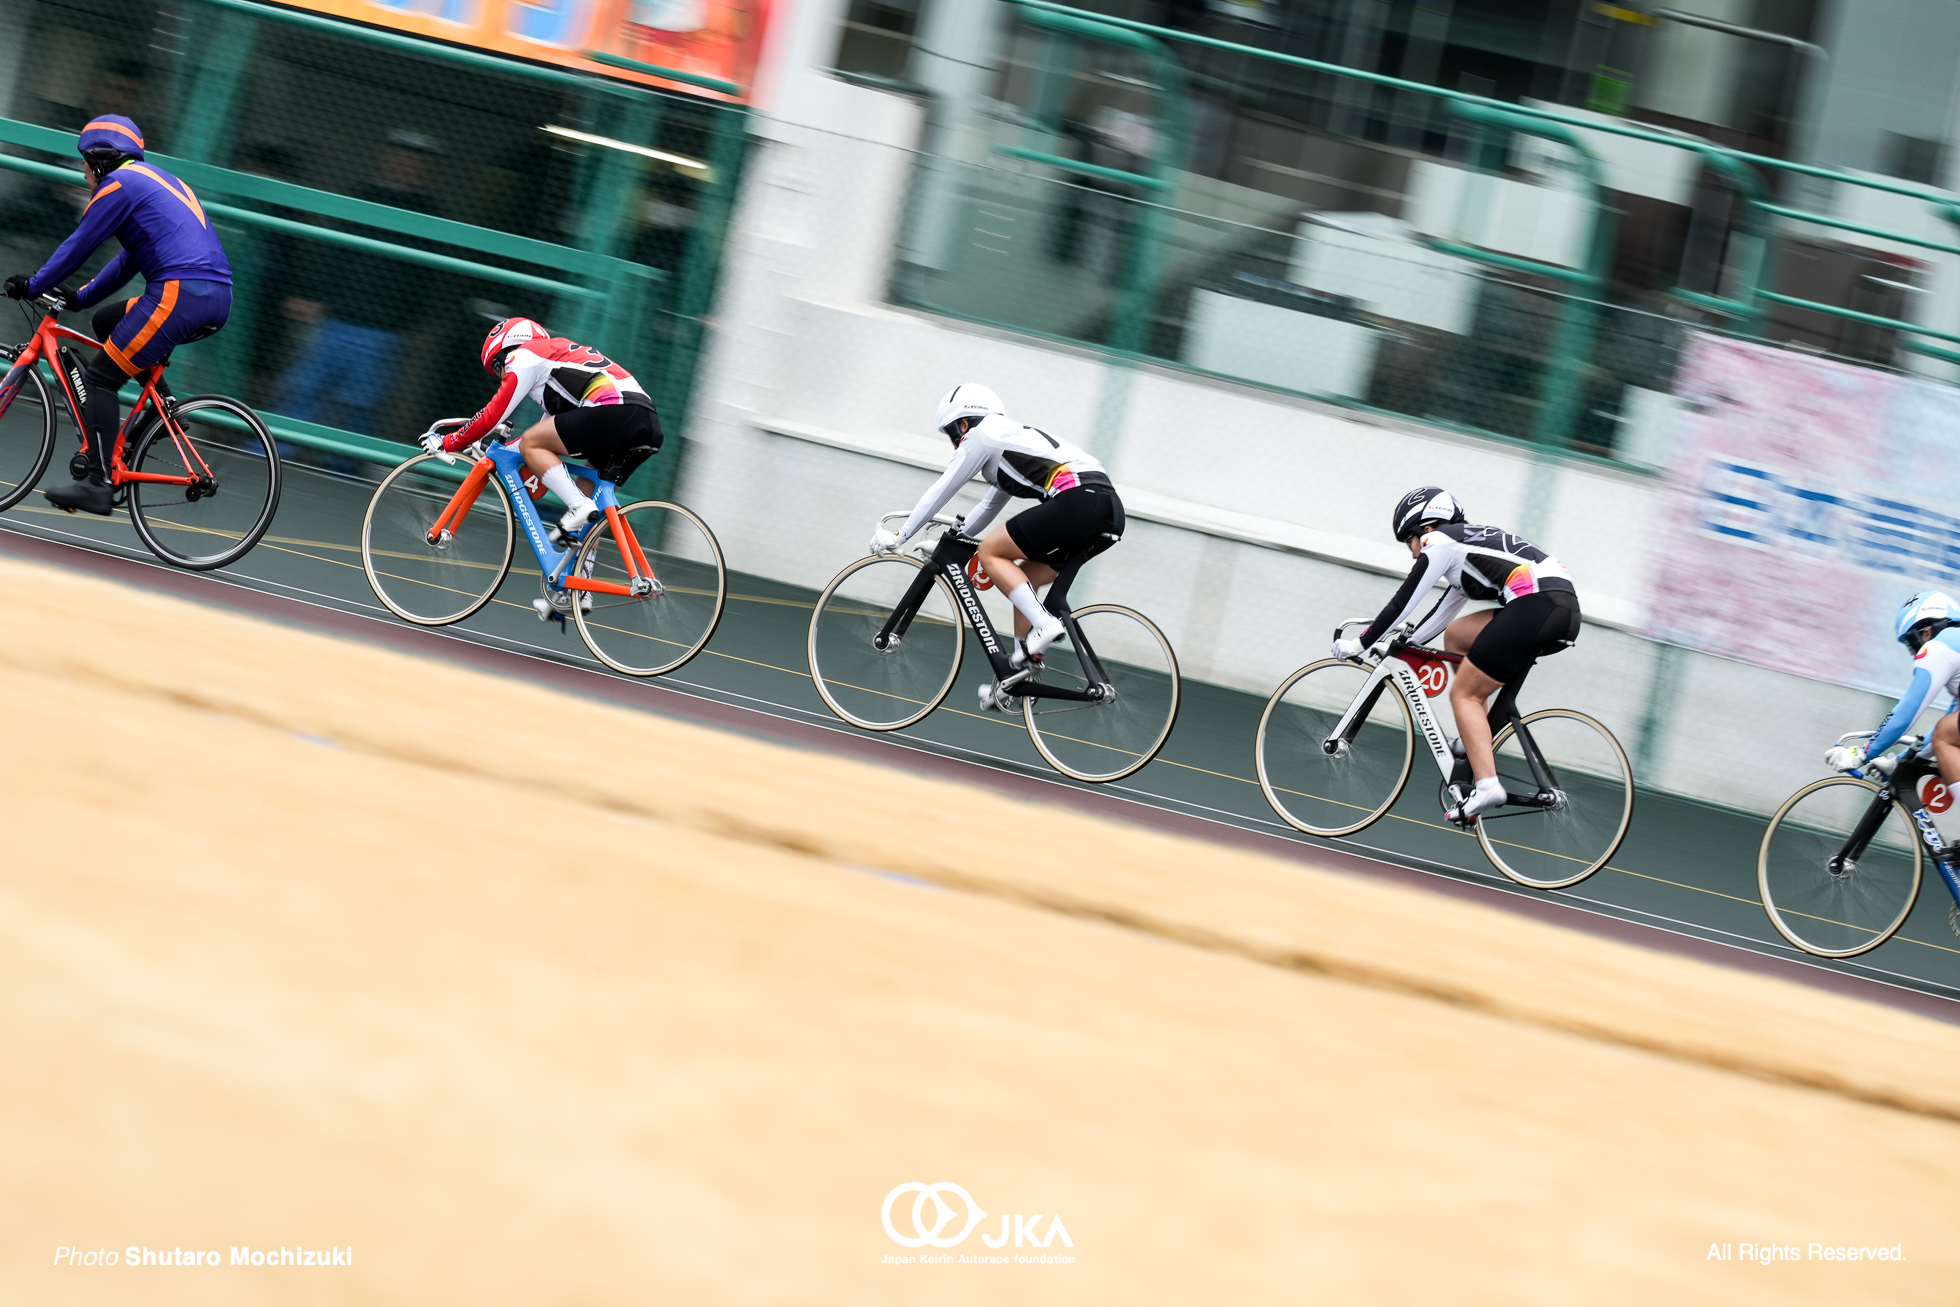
x,y
1322,785
883,688
1561,836
26,433
1822,900
433,582
676,609
223,485
1109,739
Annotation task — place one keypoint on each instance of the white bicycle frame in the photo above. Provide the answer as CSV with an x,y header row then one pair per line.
x,y
1391,666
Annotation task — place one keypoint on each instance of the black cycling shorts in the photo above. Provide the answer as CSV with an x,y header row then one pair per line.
x,y
603,433
1073,522
1524,630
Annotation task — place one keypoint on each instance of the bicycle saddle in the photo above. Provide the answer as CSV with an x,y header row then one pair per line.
x,y
622,464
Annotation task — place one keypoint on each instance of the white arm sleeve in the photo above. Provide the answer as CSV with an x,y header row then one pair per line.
x,y
966,461
986,511
1440,616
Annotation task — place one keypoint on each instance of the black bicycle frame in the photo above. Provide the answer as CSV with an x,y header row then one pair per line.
x,y
949,559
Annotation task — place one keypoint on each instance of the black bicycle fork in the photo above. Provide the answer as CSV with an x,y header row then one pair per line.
x,y
949,559
1904,777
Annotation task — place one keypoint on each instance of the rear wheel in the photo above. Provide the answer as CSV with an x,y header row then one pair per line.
x,y
1108,739
226,455
884,684
659,629
1322,784
435,580
1823,895
26,430
1564,834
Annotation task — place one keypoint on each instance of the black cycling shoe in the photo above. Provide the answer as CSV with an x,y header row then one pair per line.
x,y
85,496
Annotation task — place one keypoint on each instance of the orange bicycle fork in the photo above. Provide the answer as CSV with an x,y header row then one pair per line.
x,y
460,503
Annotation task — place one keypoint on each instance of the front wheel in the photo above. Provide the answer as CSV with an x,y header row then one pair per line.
x,y
223,486
1107,739
672,612
432,576
872,677
1325,783
1838,873
1556,834
26,429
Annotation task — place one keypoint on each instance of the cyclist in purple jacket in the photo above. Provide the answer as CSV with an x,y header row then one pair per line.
x,y
166,236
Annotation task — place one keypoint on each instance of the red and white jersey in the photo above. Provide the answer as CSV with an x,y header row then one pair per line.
x,y
560,376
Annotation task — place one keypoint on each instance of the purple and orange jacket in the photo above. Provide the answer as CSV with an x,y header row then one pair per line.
x,y
164,232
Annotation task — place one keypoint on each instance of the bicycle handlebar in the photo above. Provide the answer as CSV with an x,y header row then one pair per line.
x,y
939,519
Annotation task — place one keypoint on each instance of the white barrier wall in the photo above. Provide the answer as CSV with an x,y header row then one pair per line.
x,y
1258,520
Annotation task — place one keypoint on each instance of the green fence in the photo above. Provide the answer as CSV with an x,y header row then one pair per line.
x,y
1426,253
382,200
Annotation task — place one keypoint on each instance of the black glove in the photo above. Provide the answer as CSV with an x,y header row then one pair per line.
x,y
17,285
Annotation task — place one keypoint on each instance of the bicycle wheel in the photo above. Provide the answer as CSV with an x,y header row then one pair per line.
x,y
1585,814
883,688
1324,786
433,582
1821,901
26,430
216,520
656,632
1108,740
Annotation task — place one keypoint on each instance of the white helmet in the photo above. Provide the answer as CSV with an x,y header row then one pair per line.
x,y
969,399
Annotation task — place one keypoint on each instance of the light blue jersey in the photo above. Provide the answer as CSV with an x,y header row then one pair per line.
x,y
1935,670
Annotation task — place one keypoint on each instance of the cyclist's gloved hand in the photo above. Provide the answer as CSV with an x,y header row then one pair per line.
x,y
17,285
432,444
1844,757
1347,647
884,542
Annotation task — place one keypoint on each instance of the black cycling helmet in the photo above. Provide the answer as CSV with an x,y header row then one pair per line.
x,y
1423,508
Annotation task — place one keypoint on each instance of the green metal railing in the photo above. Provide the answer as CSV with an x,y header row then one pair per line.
x,y
1567,372
597,283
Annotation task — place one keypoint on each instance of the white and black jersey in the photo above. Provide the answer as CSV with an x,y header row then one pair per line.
x,y
1477,562
1016,462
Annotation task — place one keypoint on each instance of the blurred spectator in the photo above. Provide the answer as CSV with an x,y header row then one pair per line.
x,y
1110,138
45,208
268,261
361,306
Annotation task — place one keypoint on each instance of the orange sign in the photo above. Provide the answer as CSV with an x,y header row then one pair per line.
x,y
709,38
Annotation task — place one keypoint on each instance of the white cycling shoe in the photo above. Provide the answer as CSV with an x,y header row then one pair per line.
x,y
1488,794
573,523
559,604
995,699
1037,643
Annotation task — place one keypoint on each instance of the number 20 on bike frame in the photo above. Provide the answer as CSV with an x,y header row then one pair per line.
x,y
200,476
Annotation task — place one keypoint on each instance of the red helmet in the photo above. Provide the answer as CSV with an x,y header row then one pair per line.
x,y
507,336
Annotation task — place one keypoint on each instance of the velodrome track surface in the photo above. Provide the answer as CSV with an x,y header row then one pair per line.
x,y
1684,880
525,996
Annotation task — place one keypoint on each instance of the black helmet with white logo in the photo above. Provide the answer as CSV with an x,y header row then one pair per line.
x,y
1423,508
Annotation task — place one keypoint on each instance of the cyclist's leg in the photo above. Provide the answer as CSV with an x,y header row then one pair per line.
x,y
104,376
1498,653
1046,536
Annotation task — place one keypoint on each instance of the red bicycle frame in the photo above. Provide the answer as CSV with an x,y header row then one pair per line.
x,y
46,345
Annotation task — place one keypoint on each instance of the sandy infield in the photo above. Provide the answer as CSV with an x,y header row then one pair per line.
x,y
314,945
